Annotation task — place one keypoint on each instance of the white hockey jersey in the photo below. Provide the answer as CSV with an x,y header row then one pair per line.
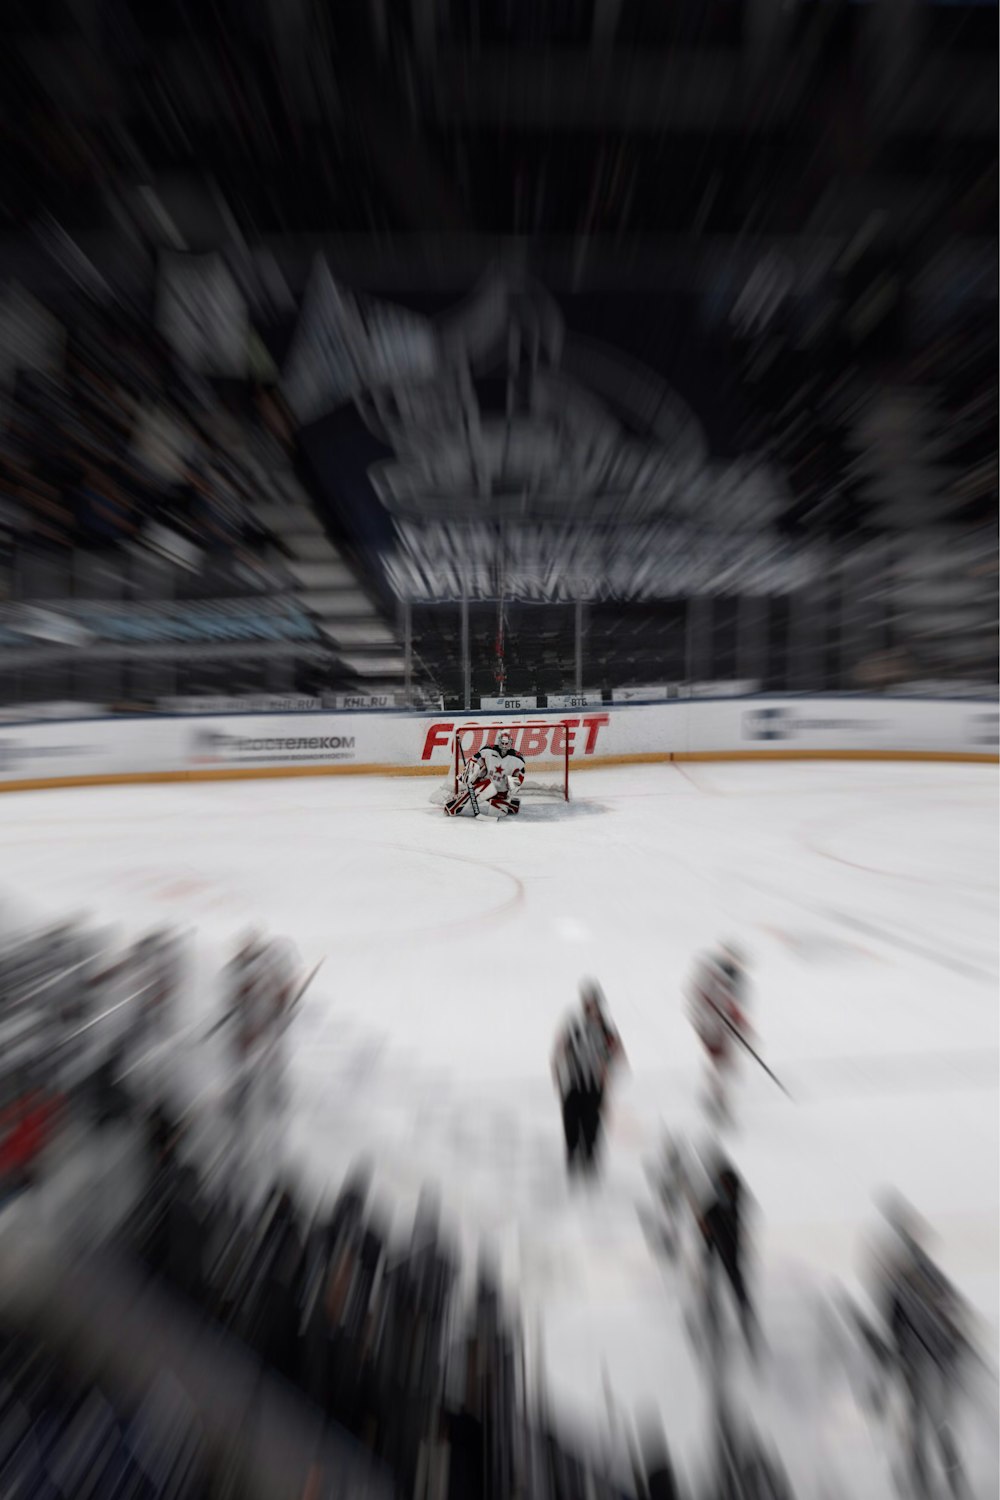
x,y
505,771
717,998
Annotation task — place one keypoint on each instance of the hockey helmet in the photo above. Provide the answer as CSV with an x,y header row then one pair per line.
x,y
250,942
591,994
734,954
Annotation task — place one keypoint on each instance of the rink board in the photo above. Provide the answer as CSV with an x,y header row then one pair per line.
x,y
114,752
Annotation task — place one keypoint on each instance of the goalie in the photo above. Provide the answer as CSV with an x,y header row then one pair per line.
x,y
496,773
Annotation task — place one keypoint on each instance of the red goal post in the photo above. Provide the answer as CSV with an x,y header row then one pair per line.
x,y
545,746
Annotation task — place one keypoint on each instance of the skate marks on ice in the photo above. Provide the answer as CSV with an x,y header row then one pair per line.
x,y
887,933
540,810
876,843
822,949
914,947
897,1075
560,812
825,1080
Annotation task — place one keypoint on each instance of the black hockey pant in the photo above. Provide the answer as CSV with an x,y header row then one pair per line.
x,y
732,1269
581,1110
930,1391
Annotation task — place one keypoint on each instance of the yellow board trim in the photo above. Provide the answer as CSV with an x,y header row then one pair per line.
x,y
974,757
596,762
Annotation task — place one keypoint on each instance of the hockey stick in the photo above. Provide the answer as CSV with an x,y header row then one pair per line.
x,y
746,1046
293,1006
306,982
218,1025
622,1436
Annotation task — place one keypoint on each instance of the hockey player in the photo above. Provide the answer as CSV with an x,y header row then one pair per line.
x,y
717,999
722,1224
283,988
926,1347
586,1053
155,972
263,982
495,772
246,1012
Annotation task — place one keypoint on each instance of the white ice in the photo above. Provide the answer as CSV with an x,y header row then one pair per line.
x,y
864,894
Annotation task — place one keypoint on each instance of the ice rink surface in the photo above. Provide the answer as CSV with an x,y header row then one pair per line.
x,y
865,896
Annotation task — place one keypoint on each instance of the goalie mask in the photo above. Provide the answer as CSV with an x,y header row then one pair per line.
x,y
505,741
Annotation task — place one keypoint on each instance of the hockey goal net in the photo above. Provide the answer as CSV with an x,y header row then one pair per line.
x,y
544,746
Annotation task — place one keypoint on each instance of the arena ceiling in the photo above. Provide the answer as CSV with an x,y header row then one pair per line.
x,y
809,187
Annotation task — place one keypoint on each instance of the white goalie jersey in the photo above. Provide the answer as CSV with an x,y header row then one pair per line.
x,y
501,768
493,774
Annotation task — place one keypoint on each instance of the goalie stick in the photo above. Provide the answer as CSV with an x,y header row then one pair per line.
x,y
468,785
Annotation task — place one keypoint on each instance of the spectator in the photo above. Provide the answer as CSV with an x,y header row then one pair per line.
x,y
48,523
106,517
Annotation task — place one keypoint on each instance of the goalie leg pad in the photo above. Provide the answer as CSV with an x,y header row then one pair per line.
x,y
510,809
